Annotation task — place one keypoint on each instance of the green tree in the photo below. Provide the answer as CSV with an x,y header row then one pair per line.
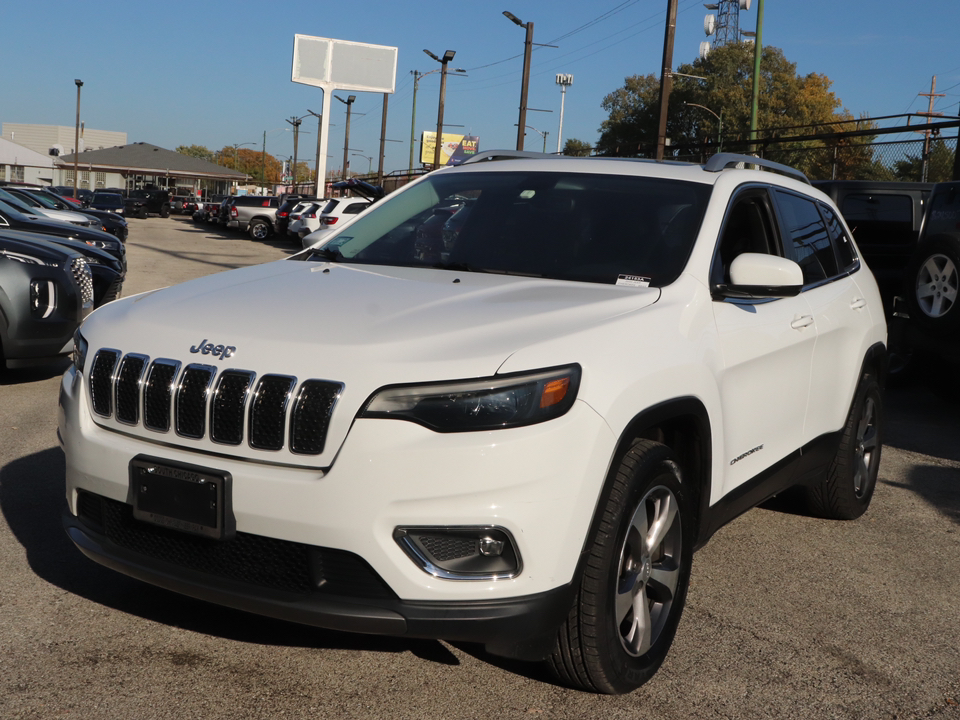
x,y
576,148
939,165
197,151
703,113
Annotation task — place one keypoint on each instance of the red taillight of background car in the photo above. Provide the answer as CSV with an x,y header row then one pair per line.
x,y
328,220
234,212
310,214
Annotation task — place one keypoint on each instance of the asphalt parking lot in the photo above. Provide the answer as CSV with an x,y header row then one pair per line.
x,y
787,616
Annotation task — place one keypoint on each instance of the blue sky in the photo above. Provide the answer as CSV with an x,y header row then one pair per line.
x,y
215,73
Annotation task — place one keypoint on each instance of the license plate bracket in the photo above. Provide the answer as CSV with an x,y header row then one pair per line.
x,y
188,498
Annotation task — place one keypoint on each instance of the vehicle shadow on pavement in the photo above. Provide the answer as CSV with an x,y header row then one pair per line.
x,y
34,374
32,499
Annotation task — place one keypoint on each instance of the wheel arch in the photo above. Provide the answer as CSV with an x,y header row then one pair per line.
x,y
683,425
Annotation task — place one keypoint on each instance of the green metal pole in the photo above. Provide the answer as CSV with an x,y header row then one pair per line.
x,y
757,51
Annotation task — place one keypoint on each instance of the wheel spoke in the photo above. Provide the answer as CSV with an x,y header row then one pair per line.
x,y
664,515
637,635
662,585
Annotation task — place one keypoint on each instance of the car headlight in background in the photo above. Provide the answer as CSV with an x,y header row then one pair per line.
x,y
79,350
43,298
488,404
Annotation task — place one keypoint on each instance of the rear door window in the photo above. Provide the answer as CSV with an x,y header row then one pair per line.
x,y
805,237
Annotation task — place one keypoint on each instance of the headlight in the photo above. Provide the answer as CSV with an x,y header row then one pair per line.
x,y
472,405
79,351
43,298
29,259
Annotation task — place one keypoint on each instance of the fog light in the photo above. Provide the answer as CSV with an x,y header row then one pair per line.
x,y
461,553
491,547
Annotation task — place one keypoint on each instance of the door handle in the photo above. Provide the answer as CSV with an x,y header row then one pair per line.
x,y
801,321
858,303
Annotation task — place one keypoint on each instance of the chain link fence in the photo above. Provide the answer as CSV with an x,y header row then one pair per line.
x,y
912,160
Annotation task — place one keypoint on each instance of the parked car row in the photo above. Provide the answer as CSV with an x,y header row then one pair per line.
x,y
58,262
129,203
297,217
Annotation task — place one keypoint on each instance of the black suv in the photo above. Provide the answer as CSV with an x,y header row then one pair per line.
x,y
885,218
141,203
47,292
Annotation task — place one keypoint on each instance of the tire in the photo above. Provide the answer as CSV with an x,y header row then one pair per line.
x,y
845,491
933,281
259,230
142,214
165,211
631,595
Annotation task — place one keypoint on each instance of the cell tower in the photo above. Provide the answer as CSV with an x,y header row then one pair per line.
x,y
725,25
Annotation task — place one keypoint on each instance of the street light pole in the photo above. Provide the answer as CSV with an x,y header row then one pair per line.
x,y
76,142
447,57
527,50
719,122
564,80
346,138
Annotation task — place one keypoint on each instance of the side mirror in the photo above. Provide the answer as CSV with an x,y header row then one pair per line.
x,y
757,275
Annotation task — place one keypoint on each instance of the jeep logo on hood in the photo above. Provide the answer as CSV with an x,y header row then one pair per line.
x,y
218,351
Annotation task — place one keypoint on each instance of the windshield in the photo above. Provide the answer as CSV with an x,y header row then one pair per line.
x,y
570,226
108,200
15,207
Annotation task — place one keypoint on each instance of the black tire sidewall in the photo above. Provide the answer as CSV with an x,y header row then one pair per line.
x,y
623,671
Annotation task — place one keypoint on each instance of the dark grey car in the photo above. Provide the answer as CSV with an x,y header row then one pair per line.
x,y
46,291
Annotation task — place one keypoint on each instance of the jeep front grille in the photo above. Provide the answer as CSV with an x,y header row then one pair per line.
x,y
270,413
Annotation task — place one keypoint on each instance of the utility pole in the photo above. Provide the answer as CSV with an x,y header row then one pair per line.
x,y
757,51
413,122
925,166
666,76
295,121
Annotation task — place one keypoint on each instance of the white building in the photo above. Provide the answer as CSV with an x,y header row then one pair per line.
x,y
21,164
59,139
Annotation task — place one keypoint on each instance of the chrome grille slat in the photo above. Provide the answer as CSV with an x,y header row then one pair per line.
x,y
191,400
268,411
127,388
311,414
228,405
158,394
227,408
101,381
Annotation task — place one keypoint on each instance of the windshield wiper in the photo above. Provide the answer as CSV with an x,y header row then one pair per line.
x,y
460,267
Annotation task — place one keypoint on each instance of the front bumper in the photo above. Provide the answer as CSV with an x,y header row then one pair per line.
x,y
539,483
522,628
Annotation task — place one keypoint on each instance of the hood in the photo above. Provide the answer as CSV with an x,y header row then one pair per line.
x,y
390,324
93,254
363,326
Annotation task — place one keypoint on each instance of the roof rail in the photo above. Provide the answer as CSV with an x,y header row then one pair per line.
x,y
507,155
721,161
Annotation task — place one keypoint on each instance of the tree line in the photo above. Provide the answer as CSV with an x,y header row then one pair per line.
x,y
711,112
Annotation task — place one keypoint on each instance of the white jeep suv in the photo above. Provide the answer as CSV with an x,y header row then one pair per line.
x,y
517,437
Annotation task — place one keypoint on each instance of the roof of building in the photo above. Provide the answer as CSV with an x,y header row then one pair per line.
x,y
150,159
13,154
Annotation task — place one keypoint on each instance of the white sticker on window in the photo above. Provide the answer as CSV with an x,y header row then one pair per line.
x,y
633,281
